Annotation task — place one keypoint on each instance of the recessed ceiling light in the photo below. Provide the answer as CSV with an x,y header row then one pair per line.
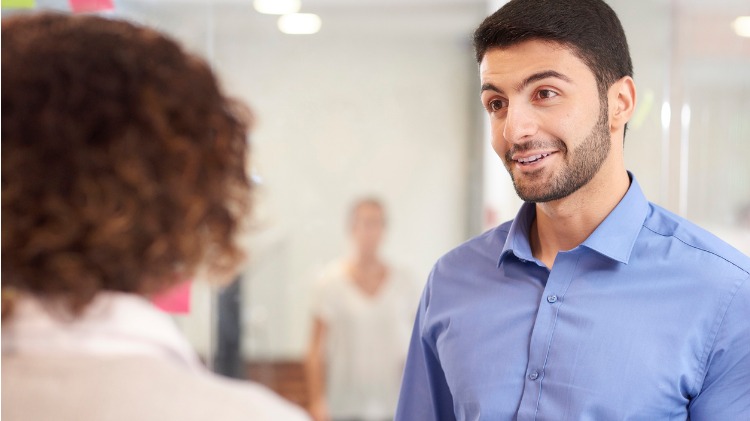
x,y
277,7
299,23
741,26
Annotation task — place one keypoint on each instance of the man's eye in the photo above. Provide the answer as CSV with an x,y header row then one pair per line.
x,y
495,105
547,93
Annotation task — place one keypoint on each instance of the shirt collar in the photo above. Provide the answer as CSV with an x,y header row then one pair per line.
x,y
614,237
517,242
113,324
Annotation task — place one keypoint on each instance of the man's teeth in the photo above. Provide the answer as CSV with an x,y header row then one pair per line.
x,y
533,158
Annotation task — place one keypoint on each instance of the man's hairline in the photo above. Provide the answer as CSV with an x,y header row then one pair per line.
x,y
561,45
570,47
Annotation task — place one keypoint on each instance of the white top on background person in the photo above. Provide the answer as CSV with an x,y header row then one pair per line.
x,y
363,310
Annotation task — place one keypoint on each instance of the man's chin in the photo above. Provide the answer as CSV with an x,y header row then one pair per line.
x,y
528,193
531,186
539,192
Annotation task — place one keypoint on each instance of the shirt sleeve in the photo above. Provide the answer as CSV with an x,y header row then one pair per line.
x,y
725,394
425,394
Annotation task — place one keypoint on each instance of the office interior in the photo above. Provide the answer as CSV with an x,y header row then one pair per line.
x,y
383,100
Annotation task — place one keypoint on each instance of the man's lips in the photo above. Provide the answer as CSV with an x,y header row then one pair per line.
x,y
532,158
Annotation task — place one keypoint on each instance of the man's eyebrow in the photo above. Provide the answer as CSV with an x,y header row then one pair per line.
x,y
539,76
490,87
529,80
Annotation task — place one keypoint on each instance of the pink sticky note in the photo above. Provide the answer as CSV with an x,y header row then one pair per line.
x,y
85,6
175,300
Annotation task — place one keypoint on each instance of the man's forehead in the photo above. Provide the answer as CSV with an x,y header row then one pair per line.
x,y
530,45
521,60
533,50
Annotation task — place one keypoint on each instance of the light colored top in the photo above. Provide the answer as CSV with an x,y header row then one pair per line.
x,y
367,340
646,320
121,360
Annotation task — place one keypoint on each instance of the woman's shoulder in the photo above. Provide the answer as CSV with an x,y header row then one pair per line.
x,y
249,397
126,388
194,392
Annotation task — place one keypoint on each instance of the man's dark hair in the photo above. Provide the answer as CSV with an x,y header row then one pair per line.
x,y
590,28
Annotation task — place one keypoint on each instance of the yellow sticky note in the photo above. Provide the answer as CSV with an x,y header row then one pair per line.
x,y
18,4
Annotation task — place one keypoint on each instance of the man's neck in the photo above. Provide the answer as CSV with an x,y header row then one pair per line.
x,y
564,224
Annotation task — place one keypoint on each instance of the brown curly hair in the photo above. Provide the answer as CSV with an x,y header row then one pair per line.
x,y
123,165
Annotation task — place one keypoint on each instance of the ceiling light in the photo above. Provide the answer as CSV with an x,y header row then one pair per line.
x,y
741,26
277,7
299,23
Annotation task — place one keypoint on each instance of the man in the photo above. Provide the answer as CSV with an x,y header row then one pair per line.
x,y
592,304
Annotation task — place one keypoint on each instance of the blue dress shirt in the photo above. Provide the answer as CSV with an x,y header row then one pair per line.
x,y
646,320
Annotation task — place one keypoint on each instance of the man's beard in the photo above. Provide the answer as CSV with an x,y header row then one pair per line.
x,y
580,164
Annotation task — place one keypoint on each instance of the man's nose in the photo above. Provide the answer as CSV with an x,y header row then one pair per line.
x,y
520,123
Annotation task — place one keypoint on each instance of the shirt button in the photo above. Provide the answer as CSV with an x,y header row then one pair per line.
x,y
552,298
534,375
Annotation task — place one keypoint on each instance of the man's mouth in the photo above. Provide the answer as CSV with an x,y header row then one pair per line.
x,y
533,158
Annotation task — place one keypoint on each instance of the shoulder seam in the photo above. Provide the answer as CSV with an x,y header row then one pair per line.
x,y
697,248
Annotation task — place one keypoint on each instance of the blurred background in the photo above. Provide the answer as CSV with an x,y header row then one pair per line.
x,y
384,100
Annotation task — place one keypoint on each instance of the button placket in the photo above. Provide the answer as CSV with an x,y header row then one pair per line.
x,y
542,333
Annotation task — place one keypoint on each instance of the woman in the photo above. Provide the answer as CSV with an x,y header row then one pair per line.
x,y
123,174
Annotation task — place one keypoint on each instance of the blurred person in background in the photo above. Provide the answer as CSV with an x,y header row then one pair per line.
x,y
362,309
123,174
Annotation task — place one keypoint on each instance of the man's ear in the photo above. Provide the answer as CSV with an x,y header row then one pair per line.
x,y
622,100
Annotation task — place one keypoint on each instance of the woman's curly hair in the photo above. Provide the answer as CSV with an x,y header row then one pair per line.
x,y
123,164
